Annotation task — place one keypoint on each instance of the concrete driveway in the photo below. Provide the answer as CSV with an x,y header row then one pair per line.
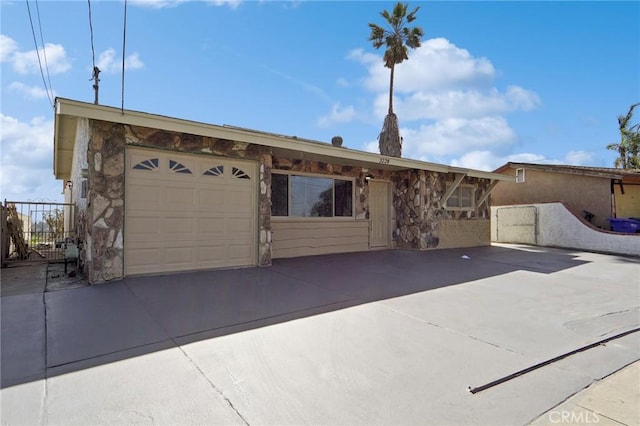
x,y
388,337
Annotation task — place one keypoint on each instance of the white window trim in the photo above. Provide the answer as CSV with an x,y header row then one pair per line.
x,y
473,199
316,218
520,175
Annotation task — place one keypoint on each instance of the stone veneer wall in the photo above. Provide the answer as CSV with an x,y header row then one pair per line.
x,y
418,211
105,207
416,193
105,202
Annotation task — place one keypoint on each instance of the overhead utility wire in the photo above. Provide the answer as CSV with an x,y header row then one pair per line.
x,y
93,52
44,50
124,45
33,32
96,70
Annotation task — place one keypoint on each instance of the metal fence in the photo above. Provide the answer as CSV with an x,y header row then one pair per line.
x,y
35,231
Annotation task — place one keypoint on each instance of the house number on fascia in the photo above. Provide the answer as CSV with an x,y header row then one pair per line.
x,y
384,161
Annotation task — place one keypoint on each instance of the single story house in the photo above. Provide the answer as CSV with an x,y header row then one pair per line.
x,y
598,191
156,194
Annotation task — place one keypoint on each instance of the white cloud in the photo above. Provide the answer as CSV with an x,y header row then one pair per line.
x,y
359,55
30,92
157,4
53,57
26,160
457,103
233,4
161,4
110,63
338,115
342,82
436,65
579,158
8,46
488,160
456,135
452,98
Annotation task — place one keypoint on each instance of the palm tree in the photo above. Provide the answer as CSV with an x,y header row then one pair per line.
x,y
397,38
629,147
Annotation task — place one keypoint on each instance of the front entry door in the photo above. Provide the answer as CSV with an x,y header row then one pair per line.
x,y
379,206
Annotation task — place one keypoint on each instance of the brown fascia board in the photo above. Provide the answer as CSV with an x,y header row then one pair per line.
x,y
601,172
502,168
294,144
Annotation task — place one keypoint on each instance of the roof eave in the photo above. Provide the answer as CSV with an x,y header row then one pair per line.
x,y
99,112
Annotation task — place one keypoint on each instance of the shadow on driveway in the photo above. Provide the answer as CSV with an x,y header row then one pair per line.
x,y
71,330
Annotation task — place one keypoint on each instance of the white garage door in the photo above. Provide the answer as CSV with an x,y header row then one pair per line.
x,y
188,212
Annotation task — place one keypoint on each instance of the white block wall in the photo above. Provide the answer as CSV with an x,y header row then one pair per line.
x,y
558,227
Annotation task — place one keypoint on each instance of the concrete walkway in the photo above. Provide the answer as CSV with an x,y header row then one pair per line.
x,y
612,401
393,337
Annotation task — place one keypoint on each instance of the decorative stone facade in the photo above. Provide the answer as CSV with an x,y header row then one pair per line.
x,y
102,221
104,248
416,213
418,209
193,144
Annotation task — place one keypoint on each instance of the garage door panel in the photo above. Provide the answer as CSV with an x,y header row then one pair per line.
x,y
212,198
240,201
238,225
179,225
144,196
143,228
211,253
178,255
144,257
238,252
180,197
190,212
215,226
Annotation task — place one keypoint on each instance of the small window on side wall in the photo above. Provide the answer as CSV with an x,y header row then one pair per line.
x,y
462,198
519,175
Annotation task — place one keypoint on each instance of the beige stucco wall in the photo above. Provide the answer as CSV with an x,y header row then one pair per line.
x,y
558,227
577,192
465,233
627,204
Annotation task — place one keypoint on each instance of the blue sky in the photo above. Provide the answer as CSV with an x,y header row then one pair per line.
x,y
493,81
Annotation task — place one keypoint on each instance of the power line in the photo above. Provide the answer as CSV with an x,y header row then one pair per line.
x,y
124,44
44,50
96,70
93,52
35,42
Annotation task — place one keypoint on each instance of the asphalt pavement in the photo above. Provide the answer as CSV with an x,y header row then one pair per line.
x,y
386,337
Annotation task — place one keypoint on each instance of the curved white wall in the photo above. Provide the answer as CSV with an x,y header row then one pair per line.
x,y
557,227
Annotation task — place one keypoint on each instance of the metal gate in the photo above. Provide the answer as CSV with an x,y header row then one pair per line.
x,y
517,225
35,231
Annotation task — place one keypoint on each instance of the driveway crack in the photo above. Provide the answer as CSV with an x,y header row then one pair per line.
x,y
451,330
214,387
195,365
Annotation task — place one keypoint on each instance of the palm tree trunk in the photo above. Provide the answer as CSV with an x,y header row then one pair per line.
x,y
393,67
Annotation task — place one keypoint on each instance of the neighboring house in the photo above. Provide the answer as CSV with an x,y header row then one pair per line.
x,y
156,194
603,192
